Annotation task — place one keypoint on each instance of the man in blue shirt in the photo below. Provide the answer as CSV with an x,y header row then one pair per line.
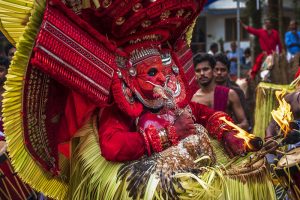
x,y
292,40
232,57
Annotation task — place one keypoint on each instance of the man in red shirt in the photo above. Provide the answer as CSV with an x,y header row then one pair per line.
x,y
268,40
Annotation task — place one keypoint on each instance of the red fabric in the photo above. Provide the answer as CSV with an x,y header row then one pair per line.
x,y
201,112
267,42
87,62
118,138
220,98
257,65
77,111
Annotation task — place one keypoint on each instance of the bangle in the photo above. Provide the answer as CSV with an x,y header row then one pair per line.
x,y
146,139
217,127
164,138
154,138
172,135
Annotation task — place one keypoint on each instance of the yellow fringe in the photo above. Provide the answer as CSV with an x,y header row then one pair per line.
x,y
189,33
92,177
14,13
26,167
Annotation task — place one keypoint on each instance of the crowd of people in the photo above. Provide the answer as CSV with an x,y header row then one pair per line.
x,y
269,42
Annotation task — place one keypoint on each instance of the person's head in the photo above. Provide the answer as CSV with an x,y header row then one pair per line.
x,y
293,25
149,72
204,65
4,64
10,51
247,52
221,70
214,47
233,46
268,24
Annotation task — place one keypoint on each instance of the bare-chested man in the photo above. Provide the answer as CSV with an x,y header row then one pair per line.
x,y
217,97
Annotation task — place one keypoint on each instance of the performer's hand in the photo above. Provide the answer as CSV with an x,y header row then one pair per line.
x,y
184,125
233,145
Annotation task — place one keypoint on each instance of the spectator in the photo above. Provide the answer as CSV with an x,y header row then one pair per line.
x,y
292,40
247,64
268,39
10,51
233,56
221,74
214,96
213,49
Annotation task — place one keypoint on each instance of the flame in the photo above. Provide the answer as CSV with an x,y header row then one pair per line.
x,y
242,134
283,115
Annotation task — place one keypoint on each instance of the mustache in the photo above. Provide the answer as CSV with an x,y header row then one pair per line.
x,y
203,77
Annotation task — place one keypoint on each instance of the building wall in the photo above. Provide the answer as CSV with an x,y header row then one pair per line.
x,y
215,30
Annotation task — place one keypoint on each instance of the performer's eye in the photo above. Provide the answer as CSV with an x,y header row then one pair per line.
x,y
152,72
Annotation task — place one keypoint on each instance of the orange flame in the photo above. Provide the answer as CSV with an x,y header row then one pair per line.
x,y
283,115
242,134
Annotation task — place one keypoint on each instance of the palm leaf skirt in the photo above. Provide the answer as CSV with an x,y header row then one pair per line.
x,y
92,177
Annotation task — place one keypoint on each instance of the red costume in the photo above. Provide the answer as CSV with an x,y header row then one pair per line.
x,y
268,44
116,126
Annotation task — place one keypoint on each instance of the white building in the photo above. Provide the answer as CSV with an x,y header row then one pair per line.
x,y
218,23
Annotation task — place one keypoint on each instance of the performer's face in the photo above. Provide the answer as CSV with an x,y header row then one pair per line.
x,y
220,72
204,73
150,70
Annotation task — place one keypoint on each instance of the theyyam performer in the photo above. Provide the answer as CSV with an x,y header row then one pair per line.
x,y
97,106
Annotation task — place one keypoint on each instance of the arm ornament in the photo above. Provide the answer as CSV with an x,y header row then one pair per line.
x,y
158,140
217,127
172,135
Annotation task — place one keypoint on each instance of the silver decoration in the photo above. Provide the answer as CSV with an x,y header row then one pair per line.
x,y
119,73
166,58
132,71
175,69
152,104
139,55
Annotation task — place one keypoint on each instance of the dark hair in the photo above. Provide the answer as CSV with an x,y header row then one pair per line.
x,y
247,51
205,57
223,59
4,62
7,48
213,45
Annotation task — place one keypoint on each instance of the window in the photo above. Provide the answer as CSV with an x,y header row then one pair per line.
x,y
231,30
